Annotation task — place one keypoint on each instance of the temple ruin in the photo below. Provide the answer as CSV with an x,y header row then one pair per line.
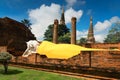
x,y
98,59
55,31
62,20
90,36
73,31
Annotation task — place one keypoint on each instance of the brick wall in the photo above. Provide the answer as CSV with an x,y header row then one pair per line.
x,y
99,59
3,48
103,59
31,59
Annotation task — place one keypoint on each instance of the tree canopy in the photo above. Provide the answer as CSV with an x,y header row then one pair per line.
x,y
63,34
26,22
113,34
83,40
65,38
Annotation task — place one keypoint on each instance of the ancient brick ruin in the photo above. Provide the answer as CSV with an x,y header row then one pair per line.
x,y
14,35
3,48
90,36
100,59
55,31
73,33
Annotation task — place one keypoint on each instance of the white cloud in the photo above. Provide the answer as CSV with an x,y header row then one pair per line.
x,y
100,37
114,19
81,2
101,28
70,3
43,16
81,34
72,13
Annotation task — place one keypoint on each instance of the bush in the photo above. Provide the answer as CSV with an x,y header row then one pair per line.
x,y
4,59
5,56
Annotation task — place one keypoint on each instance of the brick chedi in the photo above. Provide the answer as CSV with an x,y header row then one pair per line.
x,y
62,20
14,35
73,33
90,36
55,31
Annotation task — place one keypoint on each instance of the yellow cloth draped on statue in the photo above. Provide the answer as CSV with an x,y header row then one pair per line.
x,y
61,51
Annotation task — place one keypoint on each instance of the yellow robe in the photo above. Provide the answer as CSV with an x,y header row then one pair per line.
x,y
61,51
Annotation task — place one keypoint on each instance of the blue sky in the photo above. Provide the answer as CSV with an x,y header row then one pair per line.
x,y
43,12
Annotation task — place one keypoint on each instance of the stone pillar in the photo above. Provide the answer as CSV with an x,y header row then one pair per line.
x,y
73,31
55,31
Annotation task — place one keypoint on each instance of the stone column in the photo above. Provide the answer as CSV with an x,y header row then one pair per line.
x,y
55,31
73,31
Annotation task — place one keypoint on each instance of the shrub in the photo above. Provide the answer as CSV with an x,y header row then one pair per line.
x,y
4,59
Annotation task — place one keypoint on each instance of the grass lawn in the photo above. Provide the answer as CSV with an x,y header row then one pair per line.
x,y
15,73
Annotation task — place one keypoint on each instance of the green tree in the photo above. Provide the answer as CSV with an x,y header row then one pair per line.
x,y
27,23
4,59
62,34
48,35
83,40
113,34
65,38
